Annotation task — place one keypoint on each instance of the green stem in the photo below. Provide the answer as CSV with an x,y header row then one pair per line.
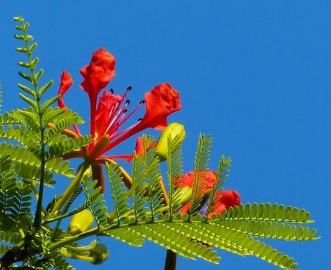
x,y
171,260
71,189
38,215
73,238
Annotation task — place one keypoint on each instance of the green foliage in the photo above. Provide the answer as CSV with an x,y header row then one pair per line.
x,y
191,235
95,202
37,140
201,165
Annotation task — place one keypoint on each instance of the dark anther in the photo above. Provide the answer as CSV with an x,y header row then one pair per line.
x,y
129,88
139,119
142,102
112,91
127,102
125,111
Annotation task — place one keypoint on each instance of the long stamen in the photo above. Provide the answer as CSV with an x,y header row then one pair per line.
x,y
114,136
131,113
121,136
113,124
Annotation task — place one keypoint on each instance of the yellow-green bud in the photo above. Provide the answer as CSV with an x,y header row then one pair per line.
x,y
99,253
182,195
80,222
172,131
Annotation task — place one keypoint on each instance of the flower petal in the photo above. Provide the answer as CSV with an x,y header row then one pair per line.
x,y
98,73
66,82
224,200
162,101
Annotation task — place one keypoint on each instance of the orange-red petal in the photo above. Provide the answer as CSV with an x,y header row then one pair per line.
x,y
98,73
65,83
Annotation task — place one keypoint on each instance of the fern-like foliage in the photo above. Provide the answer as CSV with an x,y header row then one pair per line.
x,y
201,166
195,235
95,202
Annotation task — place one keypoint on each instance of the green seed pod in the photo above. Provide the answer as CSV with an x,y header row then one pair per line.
x,y
81,222
182,195
172,131
99,253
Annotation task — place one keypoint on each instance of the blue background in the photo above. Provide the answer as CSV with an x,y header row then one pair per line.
x,y
254,74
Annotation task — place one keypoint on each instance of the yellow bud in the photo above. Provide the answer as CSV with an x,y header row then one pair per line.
x,y
172,131
80,222
99,253
182,195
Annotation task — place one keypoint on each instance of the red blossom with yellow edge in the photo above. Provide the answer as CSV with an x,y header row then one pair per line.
x,y
110,112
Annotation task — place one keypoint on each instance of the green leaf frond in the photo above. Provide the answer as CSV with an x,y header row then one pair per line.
x,y
268,229
23,156
267,212
15,198
175,241
34,75
59,263
153,177
222,175
200,169
119,192
65,145
60,125
31,174
175,171
29,119
20,134
96,202
235,230
139,187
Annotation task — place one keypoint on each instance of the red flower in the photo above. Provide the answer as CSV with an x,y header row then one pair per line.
x,y
110,112
224,199
208,177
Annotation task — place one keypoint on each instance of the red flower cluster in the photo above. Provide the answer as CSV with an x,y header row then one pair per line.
x,y
109,112
223,199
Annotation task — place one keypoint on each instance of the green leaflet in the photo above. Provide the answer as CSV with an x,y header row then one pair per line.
x,y
118,191
200,167
139,187
222,174
175,241
127,236
96,202
175,171
15,198
267,212
20,134
153,177
270,230
60,125
65,145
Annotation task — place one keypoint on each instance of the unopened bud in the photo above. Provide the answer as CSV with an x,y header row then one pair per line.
x,y
182,195
172,131
99,253
80,222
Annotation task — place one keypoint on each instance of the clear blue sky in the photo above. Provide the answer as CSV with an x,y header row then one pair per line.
x,y
256,75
